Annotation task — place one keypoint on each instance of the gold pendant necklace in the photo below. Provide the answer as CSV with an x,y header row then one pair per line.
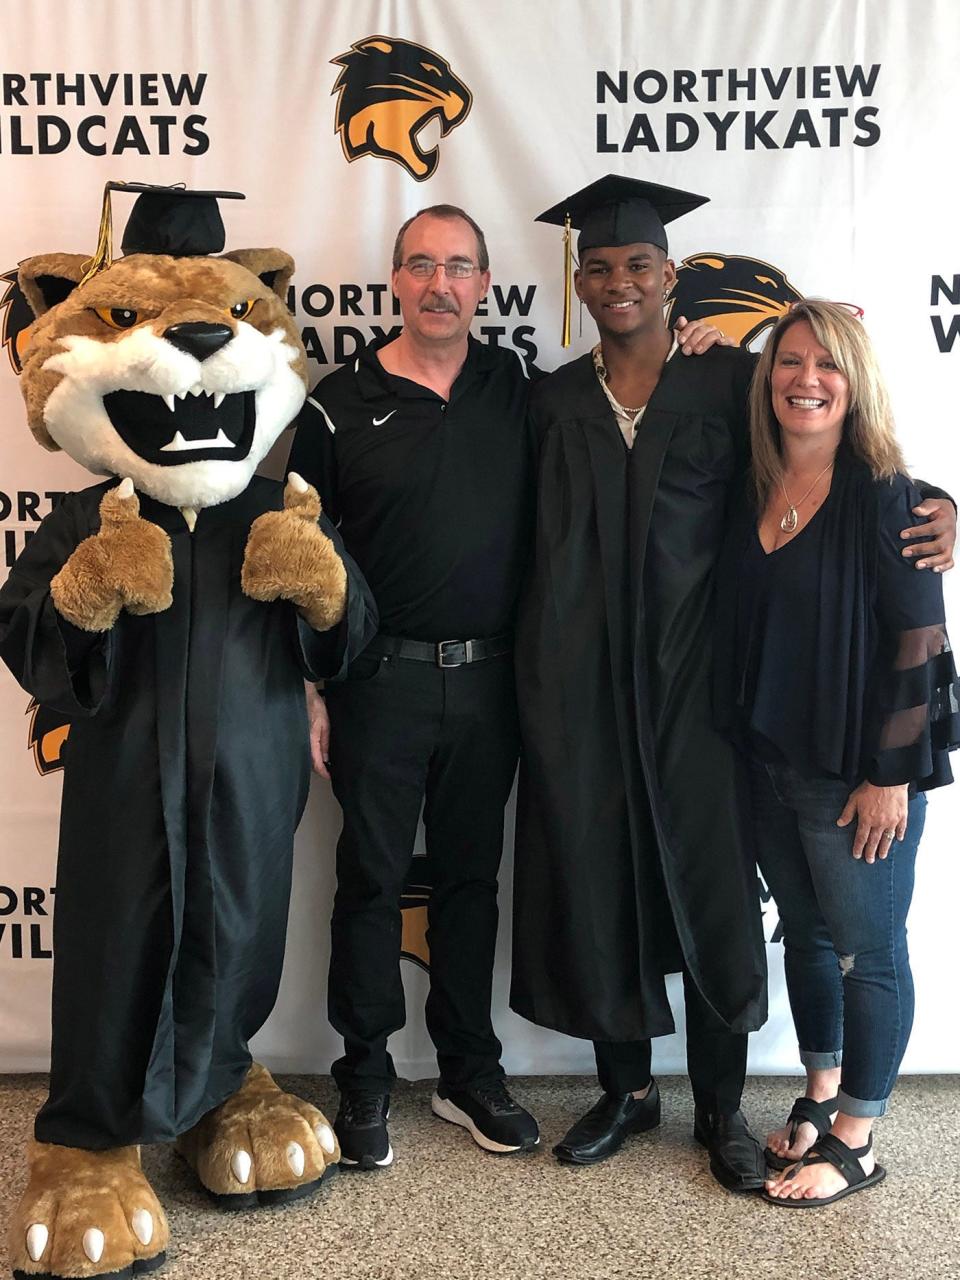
x,y
790,519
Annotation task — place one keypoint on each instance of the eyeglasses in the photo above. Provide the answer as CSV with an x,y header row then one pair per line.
x,y
426,268
850,307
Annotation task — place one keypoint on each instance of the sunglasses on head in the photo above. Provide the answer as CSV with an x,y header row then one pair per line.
x,y
850,307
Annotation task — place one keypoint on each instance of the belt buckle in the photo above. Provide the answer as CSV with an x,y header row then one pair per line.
x,y
464,646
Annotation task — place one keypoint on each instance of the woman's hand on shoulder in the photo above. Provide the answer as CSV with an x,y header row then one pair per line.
x,y
697,336
879,811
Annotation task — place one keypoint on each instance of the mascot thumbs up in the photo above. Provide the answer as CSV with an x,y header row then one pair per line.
x,y
172,612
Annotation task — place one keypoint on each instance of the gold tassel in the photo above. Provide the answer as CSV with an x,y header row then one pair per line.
x,y
104,251
567,280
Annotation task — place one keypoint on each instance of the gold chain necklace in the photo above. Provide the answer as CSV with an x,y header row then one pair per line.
x,y
623,410
790,519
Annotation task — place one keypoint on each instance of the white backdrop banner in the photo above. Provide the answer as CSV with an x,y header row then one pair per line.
x,y
824,134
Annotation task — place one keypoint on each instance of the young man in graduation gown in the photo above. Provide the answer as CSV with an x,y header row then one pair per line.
x,y
633,857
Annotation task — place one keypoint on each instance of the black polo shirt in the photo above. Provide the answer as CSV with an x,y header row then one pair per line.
x,y
434,498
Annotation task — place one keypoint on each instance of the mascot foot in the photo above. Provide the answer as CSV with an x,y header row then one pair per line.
x,y
86,1213
262,1146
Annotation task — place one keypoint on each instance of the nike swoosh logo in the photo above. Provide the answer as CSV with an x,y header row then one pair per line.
x,y
378,422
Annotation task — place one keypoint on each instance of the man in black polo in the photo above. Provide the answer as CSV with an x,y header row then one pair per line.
x,y
420,454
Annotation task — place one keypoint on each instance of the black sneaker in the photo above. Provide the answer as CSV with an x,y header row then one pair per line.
x,y
490,1116
361,1128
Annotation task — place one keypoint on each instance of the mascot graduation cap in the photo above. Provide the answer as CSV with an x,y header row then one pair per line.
x,y
172,612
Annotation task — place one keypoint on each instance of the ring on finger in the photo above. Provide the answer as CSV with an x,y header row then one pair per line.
x,y
888,835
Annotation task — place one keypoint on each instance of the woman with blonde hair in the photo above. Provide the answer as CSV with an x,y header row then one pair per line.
x,y
834,674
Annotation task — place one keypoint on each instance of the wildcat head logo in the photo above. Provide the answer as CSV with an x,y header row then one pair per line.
x,y
47,734
388,91
742,296
17,319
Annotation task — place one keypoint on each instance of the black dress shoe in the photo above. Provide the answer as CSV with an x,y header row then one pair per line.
x,y
606,1126
736,1157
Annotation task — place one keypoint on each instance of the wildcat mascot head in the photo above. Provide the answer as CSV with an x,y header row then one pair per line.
x,y
169,365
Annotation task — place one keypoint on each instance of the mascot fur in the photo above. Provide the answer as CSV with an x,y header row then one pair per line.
x,y
172,613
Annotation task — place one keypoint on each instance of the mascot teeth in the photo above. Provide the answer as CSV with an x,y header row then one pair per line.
x,y
170,399
220,441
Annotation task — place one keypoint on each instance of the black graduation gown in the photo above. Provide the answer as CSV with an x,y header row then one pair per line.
x,y
633,854
185,775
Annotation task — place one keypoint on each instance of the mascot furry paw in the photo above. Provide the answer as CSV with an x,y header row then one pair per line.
x,y
171,612
245,1151
126,564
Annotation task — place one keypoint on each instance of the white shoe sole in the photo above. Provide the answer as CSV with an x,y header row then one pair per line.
x,y
380,1164
446,1110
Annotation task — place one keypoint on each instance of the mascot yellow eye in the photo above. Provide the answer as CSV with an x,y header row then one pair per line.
x,y
241,309
118,317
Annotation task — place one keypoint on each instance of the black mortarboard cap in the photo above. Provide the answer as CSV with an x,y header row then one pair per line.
x,y
171,220
174,220
612,212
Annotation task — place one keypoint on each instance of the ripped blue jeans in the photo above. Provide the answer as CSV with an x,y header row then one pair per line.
x,y
844,931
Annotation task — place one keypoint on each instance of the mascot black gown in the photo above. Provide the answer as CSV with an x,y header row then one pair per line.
x,y
172,613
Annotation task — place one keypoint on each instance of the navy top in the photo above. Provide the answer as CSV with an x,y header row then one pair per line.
x,y
832,653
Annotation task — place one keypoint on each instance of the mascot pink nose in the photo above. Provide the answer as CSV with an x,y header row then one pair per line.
x,y
198,339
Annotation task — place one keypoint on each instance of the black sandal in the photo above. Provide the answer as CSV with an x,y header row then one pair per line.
x,y
804,1109
830,1150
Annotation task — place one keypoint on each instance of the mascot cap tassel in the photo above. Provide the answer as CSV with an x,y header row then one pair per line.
x,y
612,212
170,220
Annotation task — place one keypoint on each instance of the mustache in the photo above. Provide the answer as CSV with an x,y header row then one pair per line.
x,y
441,304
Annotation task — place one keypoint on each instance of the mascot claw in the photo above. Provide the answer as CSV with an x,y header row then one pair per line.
x,y
240,1166
301,498
325,1136
37,1237
93,1242
142,1224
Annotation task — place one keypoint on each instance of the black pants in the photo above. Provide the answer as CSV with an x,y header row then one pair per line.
x,y
405,733
716,1058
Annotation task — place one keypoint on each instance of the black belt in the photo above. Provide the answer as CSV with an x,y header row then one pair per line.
x,y
445,653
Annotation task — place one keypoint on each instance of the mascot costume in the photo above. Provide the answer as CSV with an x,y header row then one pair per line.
x,y
172,613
